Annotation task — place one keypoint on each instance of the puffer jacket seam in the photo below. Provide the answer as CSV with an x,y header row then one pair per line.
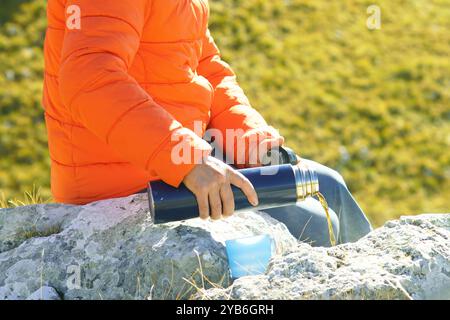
x,y
113,126
164,83
72,158
208,57
100,51
227,109
171,42
85,200
218,73
46,113
157,150
113,17
138,54
89,164
83,89
147,11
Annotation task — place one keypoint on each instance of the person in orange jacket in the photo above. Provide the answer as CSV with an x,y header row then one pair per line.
x,y
122,79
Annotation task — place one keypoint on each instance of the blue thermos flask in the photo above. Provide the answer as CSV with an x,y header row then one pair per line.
x,y
276,185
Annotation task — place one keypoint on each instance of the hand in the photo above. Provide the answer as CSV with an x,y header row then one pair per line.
x,y
211,182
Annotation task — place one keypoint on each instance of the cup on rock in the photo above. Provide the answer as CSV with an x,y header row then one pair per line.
x,y
249,255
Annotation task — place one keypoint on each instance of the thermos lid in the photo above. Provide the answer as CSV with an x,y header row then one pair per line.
x,y
279,155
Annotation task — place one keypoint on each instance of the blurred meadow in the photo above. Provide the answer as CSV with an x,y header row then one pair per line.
x,y
373,104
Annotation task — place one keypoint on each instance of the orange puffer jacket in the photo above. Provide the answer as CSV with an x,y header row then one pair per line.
x,y
120,82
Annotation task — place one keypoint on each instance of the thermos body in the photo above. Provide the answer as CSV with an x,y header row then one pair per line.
x,y
276,186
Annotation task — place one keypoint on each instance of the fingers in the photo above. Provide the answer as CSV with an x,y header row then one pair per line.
x,y
203,205
215,204
210,183
227,200
240,181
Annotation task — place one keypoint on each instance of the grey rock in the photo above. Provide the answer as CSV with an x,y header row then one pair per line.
x,y
44,293
405,259
111,250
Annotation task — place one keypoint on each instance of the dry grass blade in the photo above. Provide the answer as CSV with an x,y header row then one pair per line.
x,y
204,281
29,198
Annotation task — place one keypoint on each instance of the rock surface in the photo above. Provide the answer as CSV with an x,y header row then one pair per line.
x,y
111,250
44,293
405,259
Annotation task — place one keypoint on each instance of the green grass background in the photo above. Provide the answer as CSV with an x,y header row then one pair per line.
x,y
375,105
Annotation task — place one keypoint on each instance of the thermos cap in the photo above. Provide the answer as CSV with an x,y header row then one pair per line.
x,y
306,181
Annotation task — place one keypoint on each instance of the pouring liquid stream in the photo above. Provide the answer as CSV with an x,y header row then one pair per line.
x,y
324,204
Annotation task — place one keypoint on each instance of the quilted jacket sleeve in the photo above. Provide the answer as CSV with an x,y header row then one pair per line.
x,y
94,68
231,108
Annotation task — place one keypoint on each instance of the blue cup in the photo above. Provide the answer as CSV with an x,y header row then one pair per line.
x,y
250,255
